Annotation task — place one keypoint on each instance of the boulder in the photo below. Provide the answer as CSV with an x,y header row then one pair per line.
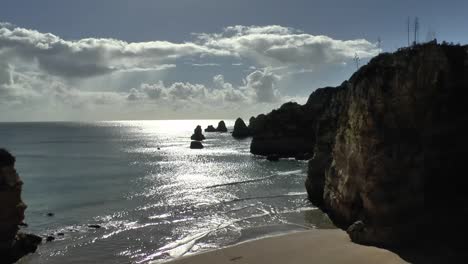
x,y
210,128
240,129
196,145
197,134
221,127
13,245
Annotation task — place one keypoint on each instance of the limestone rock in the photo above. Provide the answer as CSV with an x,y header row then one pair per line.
x,y
389,147
221,127
240,129
197,134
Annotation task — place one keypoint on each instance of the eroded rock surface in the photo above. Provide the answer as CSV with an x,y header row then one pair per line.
x,y
389,147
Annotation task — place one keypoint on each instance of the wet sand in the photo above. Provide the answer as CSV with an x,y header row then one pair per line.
x,y
315,246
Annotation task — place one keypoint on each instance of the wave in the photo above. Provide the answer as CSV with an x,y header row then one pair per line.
x,y
266,197
286,173
239,182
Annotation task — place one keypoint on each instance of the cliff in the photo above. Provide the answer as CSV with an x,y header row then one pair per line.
x,y
389,146
13,245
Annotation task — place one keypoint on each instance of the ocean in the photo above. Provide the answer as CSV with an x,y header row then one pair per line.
x,y
154,197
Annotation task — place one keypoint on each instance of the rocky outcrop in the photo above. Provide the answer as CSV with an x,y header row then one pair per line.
x,y
197,134
389,147
221,127
13,245
240,129
285,132
210,128
196,145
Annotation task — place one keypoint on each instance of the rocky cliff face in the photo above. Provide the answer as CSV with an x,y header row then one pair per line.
x,y
389,146
284,132
13,245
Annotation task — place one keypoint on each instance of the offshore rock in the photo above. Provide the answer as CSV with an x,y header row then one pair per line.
x,y
221,127
196,145
240,129
13,245
210,128
389,147
197,134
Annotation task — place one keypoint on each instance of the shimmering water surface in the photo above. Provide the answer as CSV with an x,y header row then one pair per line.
x,y
155,198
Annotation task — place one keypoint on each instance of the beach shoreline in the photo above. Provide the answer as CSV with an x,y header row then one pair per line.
x,y
312,246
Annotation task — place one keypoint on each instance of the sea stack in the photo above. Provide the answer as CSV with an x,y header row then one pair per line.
x,y
197,134
240,129
13,245
221,127
196,145
210,128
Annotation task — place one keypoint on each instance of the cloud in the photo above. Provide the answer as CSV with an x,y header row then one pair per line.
x,y
268,46
263,84
206,64
259,87
90,57
43,76
276,45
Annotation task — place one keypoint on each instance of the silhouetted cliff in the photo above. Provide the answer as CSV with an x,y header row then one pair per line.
x,y
389,147
13,245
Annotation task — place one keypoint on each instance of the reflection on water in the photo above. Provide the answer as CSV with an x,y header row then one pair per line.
x,y
153,196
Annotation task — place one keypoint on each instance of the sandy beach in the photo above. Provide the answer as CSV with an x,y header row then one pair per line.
x,y
315,246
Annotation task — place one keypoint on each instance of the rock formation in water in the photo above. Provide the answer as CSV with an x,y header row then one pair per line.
x,y
196,145
285,132
240,129
221,127
389,147
13,245
197,134
210,128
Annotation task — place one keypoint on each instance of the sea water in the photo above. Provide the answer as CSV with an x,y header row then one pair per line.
x,y
154,197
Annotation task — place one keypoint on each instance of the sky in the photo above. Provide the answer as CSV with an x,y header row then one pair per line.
x,y
66,60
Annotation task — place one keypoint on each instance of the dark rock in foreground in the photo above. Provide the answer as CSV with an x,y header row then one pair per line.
x,y
197,134
303,156
13,245
273,157
389,148
240,129
210,128
221,127
196,145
